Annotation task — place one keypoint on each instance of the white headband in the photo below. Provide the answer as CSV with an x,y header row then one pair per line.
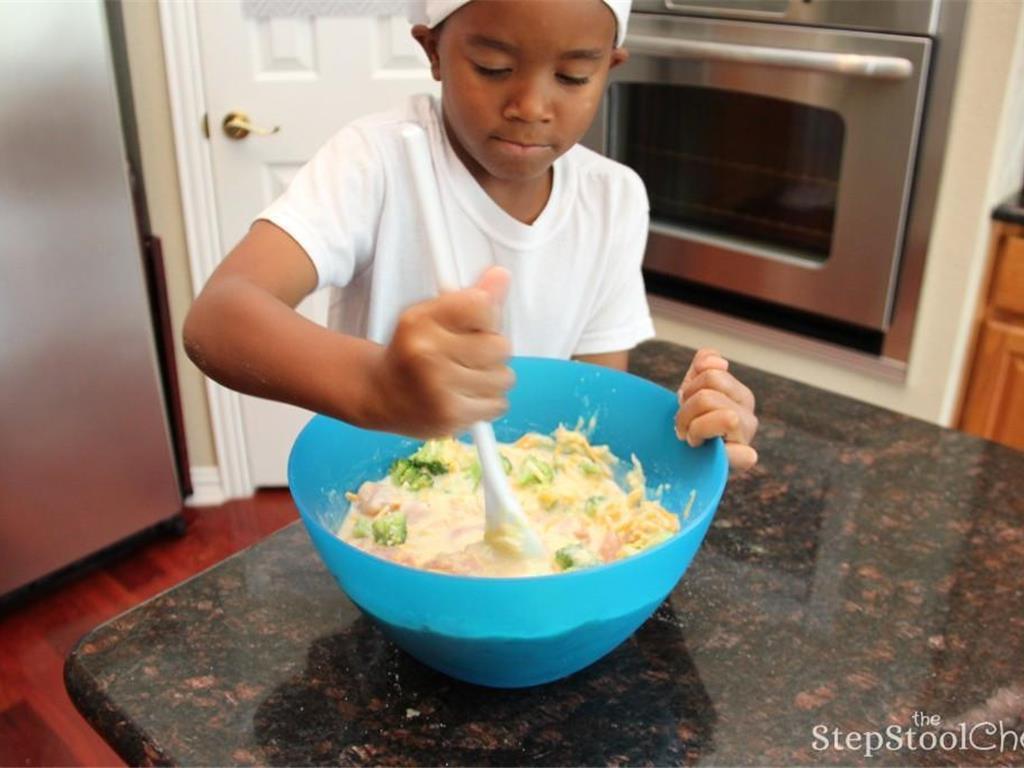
x,y
433,12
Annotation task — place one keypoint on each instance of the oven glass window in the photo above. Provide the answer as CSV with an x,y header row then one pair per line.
x,y
749,167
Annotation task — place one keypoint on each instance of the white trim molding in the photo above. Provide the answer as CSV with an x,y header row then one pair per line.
x,y
207,490
180,31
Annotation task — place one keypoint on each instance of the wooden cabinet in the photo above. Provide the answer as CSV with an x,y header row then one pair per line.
x,y
993,402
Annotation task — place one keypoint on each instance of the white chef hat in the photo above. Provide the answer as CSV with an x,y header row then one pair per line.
x,y
433,12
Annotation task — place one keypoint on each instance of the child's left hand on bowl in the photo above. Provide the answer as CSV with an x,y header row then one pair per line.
x,y
714,403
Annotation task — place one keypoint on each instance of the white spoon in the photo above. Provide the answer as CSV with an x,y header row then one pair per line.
x,y
506,526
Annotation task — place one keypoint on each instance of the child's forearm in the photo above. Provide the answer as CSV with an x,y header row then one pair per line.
x,y
250,341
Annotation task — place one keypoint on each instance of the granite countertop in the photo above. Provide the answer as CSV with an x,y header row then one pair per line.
x,y
866,574
1011,209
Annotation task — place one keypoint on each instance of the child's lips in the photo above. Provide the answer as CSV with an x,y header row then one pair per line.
x,y
521,149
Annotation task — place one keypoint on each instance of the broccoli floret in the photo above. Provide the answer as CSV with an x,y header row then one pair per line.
x,y
590,505
418,471
506,464
590,469
390,530
473,473
418,479
575,556
361,529
430,455
399,469
533,471
404,472
429,451
433,467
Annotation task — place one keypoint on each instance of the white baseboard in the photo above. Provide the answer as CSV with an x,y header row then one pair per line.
x,y
207,489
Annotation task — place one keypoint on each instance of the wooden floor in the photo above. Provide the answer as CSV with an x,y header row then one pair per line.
x,y
38,723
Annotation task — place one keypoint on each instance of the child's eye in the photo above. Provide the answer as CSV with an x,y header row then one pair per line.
x,y
488,72
570,80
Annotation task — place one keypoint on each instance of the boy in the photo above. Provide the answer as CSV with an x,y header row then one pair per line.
x,y
552,234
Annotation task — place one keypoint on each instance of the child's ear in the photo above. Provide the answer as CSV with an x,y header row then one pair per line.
x,y
428,39
619,56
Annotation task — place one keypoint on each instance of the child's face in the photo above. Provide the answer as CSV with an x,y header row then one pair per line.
x,y
522,79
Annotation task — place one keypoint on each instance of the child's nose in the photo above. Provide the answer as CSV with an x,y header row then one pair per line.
x,y
529,102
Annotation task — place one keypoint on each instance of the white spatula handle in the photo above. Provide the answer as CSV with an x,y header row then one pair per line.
x,y
427,192
500,504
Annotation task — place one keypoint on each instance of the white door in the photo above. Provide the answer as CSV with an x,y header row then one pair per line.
x,y
305,77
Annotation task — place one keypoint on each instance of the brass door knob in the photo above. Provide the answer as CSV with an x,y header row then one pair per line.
x,y
236,126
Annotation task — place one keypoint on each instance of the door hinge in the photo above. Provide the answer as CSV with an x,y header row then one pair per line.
x,y
206,125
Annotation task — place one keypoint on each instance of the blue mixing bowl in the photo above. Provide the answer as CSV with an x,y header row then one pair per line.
x,y
516,632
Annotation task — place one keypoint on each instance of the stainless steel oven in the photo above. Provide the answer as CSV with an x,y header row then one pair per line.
x,y
777,140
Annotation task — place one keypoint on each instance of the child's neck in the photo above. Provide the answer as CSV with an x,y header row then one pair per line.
x,y
522,200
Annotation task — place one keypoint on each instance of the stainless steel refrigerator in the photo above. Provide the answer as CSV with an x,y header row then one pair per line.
x,y
86,444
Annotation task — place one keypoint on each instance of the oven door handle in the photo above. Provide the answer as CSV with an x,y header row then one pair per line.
x,y
848,64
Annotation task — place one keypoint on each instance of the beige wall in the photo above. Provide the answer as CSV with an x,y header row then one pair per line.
x,y
1012,177
986,126
159,170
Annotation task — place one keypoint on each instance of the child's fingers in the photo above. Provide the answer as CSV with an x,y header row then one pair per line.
x,y
740,456
482,384
484,409
720,381
714,403
467,396
495,282
704,352
703,360
710,413
477,350
471,309
464,411
721,423
707,359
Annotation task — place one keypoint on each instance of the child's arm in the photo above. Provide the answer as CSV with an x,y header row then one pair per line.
x,y
444,368
617,360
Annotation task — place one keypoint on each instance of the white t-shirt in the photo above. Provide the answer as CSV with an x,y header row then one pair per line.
x,y
576,281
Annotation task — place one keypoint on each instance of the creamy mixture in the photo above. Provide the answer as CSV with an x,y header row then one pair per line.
x,y
429,511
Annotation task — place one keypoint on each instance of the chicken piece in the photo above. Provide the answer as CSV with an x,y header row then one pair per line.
x,y
374,498
611,546
415,511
